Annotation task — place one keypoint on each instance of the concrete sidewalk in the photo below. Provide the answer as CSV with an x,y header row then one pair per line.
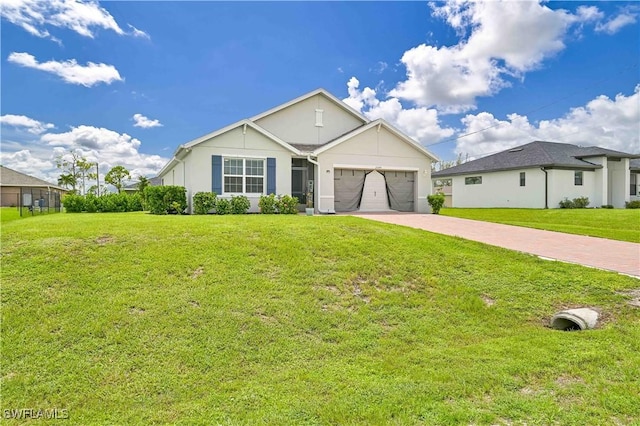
x,y
617,256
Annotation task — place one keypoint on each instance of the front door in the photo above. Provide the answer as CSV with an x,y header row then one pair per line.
x,y
301,174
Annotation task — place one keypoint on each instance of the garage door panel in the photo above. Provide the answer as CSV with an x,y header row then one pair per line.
x,y
400,187
347,187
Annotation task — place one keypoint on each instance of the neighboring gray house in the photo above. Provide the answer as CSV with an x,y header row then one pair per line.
x,y
313,144
19,189
541,174
133,187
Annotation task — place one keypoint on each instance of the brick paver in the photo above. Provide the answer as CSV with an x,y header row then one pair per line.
x,y
618,256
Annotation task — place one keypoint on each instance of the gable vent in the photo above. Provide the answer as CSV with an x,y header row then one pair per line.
x,y
515,150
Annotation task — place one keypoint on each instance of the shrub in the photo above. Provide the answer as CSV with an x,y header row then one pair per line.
x,y
223,206
436,201
91,203
268,204
204,202
73,203
286,204
632,204
606,206
240,204
135,202
576,203
161,199
581,202
567,204
112,203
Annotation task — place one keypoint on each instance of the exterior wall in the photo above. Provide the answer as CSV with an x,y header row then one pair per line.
x,y
601,190
9,196
562,185
235,143
501,189
619,181
297,123
373,150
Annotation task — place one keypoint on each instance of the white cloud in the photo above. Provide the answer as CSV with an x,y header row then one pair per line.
x,y
421,123
452,77
608,123
25,161
144,122
108,147
70,71
23,122
614,25
138,33
379,67
82,17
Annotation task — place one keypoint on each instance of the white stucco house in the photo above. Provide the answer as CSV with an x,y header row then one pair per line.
x,y
541,174
313,144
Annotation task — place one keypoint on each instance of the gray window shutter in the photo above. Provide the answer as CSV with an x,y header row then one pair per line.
x,y
271,175
216,174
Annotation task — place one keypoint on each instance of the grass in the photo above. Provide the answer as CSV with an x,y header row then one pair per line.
x,y
130,318
9,214
615,224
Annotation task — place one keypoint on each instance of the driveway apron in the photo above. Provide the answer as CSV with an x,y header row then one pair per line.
x,y
612,255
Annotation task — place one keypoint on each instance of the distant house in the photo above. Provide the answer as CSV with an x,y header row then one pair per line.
x,y
314,144
131,188
19,189
541,174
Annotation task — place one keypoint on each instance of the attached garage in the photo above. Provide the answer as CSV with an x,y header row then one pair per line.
x,y
374,190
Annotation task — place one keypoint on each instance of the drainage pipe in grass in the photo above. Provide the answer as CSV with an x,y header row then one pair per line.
x,y
575,319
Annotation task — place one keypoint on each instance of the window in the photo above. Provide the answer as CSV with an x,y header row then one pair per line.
x,y
577,178
634,183
523,179
473,180
243,175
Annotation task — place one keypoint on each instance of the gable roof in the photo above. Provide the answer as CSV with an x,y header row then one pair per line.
x,y
10,177
187,146
535,154
362,129
154,181
311,94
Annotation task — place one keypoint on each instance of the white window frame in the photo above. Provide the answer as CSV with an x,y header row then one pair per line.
x,y
244,175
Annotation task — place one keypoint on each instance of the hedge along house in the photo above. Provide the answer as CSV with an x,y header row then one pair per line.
x,y
316,145
540,175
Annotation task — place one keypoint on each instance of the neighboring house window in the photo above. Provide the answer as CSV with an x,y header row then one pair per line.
x,y
634,182
523,178
243,175
473,180
577,178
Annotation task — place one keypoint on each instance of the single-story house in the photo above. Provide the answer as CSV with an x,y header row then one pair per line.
x,y
314,144
133,187
541,174
21,190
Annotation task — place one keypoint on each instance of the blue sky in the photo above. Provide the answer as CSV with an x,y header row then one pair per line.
x,y
127,82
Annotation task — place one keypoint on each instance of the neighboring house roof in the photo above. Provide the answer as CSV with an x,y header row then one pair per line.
x,y
10,177
307,96
535,154
154,181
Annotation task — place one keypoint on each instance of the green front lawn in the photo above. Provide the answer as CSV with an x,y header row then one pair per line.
x,y
615,224
129,318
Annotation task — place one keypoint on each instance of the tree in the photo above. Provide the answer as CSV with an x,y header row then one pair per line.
x,y
83,166
117,176
441,165
70,175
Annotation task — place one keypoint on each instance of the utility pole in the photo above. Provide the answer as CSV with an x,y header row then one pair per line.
x,y
98,178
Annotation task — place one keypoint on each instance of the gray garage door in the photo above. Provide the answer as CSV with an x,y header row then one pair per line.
x,y
348,186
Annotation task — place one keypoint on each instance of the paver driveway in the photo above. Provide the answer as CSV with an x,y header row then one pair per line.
x,y
618,256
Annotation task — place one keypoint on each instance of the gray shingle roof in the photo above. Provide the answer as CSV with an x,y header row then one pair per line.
x,y
535,154
10,177
154,181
